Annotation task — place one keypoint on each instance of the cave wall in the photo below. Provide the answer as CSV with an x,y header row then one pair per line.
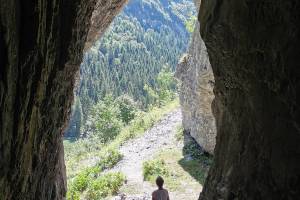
x,y
41,47
254,50
196,92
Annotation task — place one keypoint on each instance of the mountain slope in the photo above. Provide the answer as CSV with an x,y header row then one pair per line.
x,y
146,36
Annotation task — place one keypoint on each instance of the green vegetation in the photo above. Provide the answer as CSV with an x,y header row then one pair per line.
x,y
176,170
126,85
80,150
154,168
109,158
147,38
91,178
128,108
179,133
163,92
76,118
105,185
192,149
190,23
96,185
104,121
81,178
179,167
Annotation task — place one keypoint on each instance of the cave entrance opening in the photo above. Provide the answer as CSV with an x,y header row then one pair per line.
x,y
127,86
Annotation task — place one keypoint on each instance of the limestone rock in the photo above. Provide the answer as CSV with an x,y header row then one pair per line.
x,y
103,14
41,47
254,46
196,92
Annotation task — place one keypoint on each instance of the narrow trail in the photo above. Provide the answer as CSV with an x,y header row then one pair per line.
x,y
160,137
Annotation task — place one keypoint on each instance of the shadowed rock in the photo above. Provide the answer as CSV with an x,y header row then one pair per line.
x,y
41,47
254,53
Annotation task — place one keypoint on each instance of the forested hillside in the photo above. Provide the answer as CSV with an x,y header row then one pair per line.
x,y
146,39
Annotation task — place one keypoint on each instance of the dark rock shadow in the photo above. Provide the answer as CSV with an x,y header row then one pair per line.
x,y
196,161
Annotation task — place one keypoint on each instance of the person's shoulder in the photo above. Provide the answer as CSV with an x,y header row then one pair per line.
x,y
166,191
154,192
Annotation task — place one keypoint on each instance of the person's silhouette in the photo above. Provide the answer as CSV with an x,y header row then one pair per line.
x,y
160,193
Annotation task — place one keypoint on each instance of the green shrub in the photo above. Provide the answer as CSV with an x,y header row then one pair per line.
x,y
154,168
78,151
179,133
103,122
73,194
128,108
81,180
104,185
109,158
164,90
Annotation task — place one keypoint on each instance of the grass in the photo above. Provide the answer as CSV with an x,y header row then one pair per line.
x,y
182,170
97,185
154,168
81,150
94,182
181,173
85,178
142,122
105,185
179,136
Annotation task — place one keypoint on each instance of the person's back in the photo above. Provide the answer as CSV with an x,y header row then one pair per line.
x,y
160,193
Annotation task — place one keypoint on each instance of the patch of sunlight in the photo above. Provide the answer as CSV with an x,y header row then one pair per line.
x,y
86,152
185,175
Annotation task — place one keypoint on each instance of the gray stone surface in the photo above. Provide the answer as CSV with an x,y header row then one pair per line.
x,y
41,47
254,50
196,92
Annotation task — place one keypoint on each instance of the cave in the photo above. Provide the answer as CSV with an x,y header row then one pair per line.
x,y
253,46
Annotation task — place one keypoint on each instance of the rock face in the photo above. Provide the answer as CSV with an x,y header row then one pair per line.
x,y
103,14
41,46
254,48
196,92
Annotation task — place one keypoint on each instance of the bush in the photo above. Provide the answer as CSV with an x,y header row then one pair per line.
x,y
73,194
154,168
109,158
81,181
81,149
127,108
179,133
103,122
164,88
104,185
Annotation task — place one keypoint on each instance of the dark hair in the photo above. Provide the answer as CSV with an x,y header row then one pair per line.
x,y
159,181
